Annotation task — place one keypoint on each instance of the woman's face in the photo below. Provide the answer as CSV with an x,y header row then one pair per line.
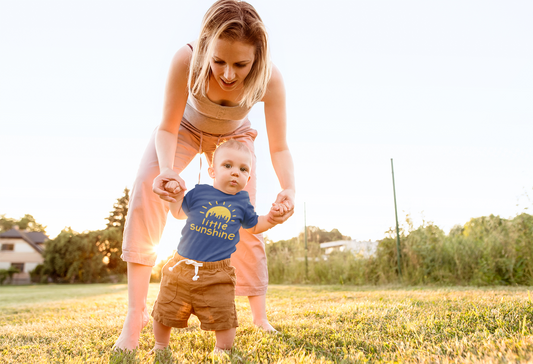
x,y
231,63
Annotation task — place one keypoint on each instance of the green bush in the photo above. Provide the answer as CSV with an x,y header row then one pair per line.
x,y
487,250
8,273
37,274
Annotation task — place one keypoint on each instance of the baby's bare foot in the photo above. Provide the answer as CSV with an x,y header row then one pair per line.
x,y
161,355
156,349
219,353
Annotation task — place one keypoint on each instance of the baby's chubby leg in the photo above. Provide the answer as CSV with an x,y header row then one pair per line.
x,y
224,339
162,336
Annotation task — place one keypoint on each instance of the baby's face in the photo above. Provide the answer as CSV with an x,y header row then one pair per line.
x,y
231,170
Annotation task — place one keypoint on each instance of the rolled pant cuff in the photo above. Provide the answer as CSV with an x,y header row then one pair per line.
x,y
139,258
250,290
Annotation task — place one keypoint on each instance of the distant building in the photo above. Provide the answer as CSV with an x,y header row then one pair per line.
x,y
363,249
23,250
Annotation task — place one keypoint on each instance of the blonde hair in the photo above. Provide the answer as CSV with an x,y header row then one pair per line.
x,y
231,144
236,21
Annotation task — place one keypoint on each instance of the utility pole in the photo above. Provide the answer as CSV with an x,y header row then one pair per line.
x,y
397,227
305,239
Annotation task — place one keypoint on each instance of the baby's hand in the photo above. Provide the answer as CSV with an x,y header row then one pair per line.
x,y
285,205
173,187
278,209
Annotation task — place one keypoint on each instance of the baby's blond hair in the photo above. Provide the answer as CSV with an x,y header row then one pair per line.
x,y
231,144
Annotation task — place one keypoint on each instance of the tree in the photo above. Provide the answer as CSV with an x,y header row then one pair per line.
x,y
109,244
72,257
27,222
88,257
117,217
6,223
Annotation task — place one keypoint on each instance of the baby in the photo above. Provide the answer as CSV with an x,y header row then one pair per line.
x,y
199,279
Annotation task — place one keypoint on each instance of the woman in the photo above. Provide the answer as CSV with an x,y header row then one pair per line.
x,y
211,87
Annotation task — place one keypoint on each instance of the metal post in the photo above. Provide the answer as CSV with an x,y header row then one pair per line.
x,y
397,228
305,239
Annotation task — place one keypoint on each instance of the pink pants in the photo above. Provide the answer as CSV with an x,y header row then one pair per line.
x,y
147,213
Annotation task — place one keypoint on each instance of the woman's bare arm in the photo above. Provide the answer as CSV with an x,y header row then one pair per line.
x,y
276,125
176,94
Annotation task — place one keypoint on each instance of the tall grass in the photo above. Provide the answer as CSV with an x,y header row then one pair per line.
x,y
487,250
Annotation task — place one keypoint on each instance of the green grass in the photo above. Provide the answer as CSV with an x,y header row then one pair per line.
x,y
317,324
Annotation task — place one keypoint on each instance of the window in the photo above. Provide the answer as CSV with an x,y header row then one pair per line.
x,y
19,266
8,247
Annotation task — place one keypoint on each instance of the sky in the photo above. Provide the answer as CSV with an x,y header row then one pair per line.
x,y
444,88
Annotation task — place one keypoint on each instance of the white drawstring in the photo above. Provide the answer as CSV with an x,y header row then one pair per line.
x,y
190,262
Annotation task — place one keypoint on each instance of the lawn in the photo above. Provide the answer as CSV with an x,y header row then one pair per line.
x,y
317,324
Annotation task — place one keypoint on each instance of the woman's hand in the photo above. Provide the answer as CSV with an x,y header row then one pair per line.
x,y
159,185
285,198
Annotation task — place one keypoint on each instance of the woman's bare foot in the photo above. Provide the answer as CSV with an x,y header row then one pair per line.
x,y
131,331
146,317
259,316
265,325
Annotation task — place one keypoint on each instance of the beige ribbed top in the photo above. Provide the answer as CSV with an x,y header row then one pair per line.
x,y
213,118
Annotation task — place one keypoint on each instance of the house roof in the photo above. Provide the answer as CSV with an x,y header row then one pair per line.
x,y
33,238
37,236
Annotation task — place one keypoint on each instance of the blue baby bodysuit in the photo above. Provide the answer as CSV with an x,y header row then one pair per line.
x,y
213,221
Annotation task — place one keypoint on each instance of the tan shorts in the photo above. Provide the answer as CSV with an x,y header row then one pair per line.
x,y
211,297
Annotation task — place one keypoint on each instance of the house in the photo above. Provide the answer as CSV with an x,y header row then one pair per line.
x,y
363,249
23,250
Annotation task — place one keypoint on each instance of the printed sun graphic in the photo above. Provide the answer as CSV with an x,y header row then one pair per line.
x,y
219,211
